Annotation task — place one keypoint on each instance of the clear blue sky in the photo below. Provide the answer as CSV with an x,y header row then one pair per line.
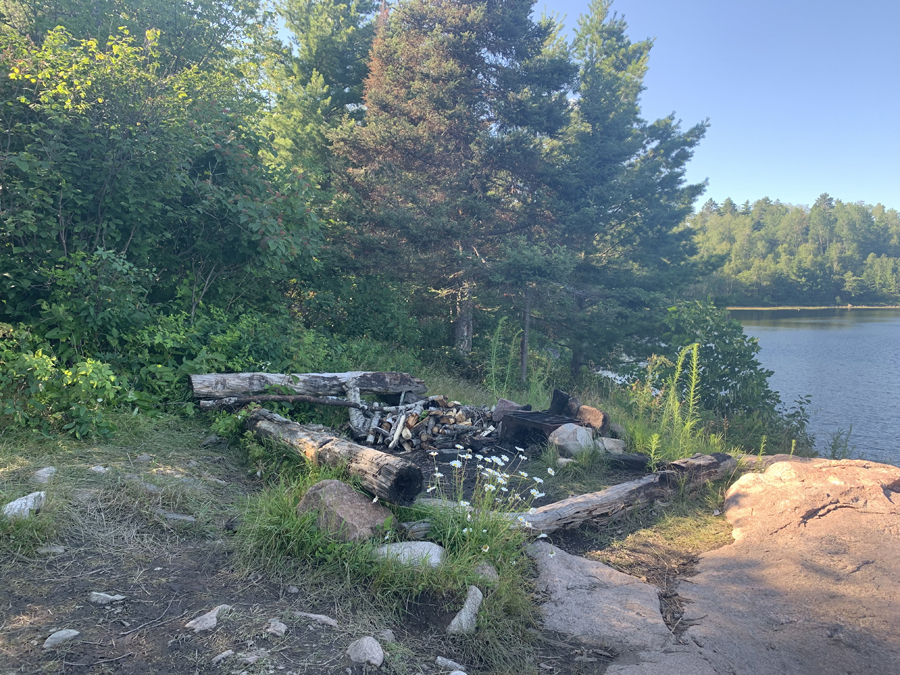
x,y
803,96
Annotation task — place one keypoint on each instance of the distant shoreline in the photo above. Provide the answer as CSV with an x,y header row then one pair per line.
x,y
799,307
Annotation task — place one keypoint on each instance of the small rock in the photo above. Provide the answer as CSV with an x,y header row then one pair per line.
x,y
572,407
43,475
487,571
275,627
616,430
293,590
613,446
250,658
366,650
458,672
221,657
99,469
447,664
504,406
386,636
206,621
571,439
104,598
59,637
594,418
51,549
23,507
175,516
413,553
564,461
143,458
84,495
212,439
318,618
342,511
464,622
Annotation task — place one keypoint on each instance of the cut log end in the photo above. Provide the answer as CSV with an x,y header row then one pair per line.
x,y
407,484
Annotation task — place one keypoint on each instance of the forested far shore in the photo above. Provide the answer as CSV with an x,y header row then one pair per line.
x,y
769,253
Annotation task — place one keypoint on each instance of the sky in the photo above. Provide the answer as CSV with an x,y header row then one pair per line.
x,y
802,96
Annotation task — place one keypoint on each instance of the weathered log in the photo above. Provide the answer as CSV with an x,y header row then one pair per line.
x,y
224,385
233,402
601,507
597,507
385,476
699,469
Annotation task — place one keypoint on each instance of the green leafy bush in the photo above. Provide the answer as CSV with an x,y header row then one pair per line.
x,y
731,379
37,392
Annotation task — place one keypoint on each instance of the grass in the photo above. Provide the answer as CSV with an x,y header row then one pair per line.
x,y
153,464
276,539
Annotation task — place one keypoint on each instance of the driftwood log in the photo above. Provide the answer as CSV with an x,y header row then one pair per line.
x,y
226,385
606,505
385,476
601,507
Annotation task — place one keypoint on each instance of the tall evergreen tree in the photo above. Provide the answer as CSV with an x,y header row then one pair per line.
x,y
317,78
623,197
448,160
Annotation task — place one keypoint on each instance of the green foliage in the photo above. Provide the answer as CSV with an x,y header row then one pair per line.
x,y
775,253
36,392
112,160
193,32
159,357
731,379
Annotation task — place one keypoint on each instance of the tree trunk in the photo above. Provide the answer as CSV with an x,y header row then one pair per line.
x,y
462,328
225,385
385,476
526,333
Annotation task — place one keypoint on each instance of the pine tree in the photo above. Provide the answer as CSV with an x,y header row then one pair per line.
x,y
624,196
449,158
317,79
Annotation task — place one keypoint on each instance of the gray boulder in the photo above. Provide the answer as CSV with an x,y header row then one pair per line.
x,y
44,475
597,605
571,439
613,446
343,511
504,406
59,637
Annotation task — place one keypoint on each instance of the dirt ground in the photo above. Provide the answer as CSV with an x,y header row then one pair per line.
x,y
117,539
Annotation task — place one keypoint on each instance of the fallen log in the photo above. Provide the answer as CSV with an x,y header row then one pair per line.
x,y
235,402
384,476
225,385
605,505
597,507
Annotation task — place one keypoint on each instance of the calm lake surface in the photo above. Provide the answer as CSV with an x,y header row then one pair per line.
x,y
848,360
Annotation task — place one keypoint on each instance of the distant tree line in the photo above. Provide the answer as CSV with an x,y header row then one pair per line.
x,y
771,253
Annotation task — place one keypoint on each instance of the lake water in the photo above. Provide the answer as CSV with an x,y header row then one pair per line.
x,y
848,360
